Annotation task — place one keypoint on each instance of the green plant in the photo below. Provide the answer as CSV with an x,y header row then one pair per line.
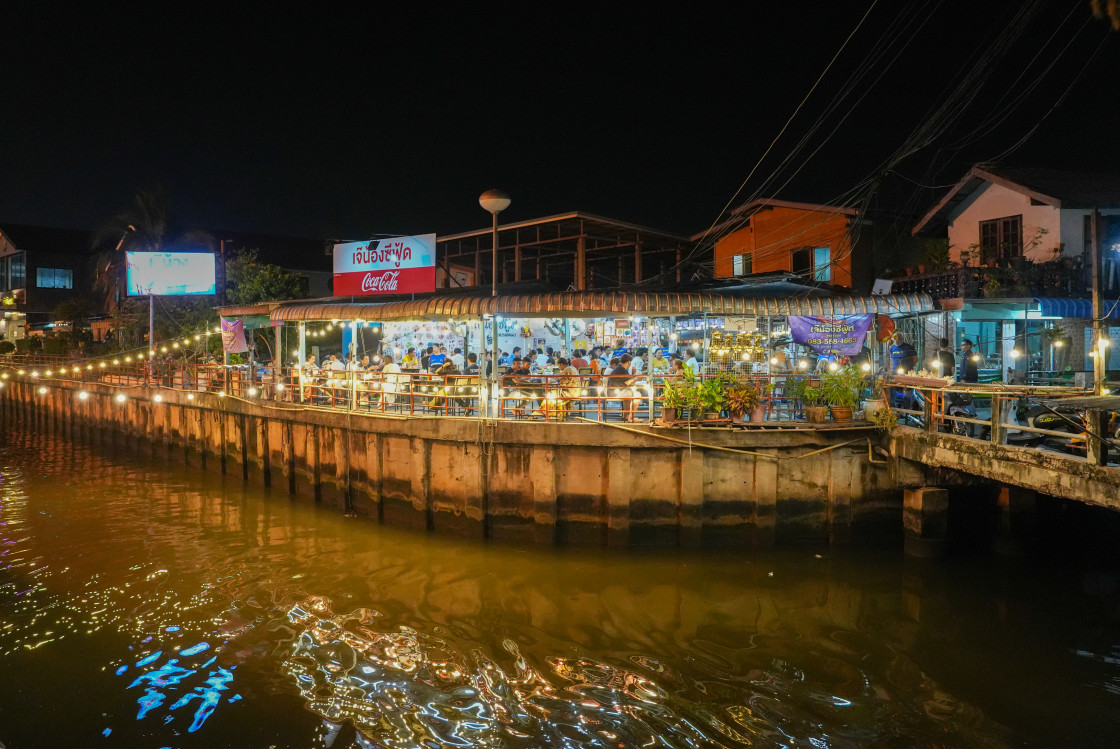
x,y
841,388
936,254
6,347
711,395
884,419
743,397
803,390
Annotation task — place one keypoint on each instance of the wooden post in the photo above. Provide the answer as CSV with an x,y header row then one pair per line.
x,y
1100,363
999,409
1096,425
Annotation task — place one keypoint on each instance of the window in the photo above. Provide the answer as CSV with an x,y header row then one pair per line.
x,y
813,262
54,278
1001,238
13,271
741,265
822,264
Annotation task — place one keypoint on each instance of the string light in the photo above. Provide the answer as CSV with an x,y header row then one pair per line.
x,y
157,398
83,395
121,397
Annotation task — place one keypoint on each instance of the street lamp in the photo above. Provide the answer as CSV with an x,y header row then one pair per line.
x,y
494,201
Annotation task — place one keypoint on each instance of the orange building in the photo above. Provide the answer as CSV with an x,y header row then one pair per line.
x,y
764,236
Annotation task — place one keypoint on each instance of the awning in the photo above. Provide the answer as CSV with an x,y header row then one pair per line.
x,y
598,304
1080,308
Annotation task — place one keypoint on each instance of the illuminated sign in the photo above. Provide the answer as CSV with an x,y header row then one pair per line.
x,y
170,273
399,265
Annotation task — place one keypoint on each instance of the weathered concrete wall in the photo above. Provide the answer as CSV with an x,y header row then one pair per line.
x,y
510,481
1044,472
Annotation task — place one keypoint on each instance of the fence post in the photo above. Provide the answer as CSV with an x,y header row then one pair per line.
x,y
1096,450
931,411
999,431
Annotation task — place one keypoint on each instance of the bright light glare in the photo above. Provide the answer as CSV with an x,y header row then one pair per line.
x,y
121,397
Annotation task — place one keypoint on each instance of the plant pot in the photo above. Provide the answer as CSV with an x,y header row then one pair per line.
x,y
759,414
738,418
816,414
710,416
841,413
873,405
670,415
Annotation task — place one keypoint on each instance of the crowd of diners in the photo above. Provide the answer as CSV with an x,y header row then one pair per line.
x,y
532,381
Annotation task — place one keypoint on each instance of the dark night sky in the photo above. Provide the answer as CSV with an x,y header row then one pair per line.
x,y
388,123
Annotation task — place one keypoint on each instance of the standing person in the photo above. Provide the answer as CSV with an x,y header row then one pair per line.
x,y
903,355
969,371
390,382
457,358
947,363
426,358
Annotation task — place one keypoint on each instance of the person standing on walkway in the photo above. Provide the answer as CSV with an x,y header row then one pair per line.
x,y
947,363
969,370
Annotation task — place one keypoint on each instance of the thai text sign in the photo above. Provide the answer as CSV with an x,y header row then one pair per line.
x,y
831,334
399,265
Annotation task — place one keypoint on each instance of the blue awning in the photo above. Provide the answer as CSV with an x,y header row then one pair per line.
x,y
1080,308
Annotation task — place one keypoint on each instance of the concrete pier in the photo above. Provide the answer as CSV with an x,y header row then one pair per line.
x,y
926,521
543,482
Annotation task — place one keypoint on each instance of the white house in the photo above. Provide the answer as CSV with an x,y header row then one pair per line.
x,y
1039,214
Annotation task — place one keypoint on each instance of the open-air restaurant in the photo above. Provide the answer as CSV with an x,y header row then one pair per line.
x,y
603,356
393,344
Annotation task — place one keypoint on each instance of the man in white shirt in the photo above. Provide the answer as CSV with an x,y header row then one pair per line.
x,y
636,365
335,364
390,380
457,358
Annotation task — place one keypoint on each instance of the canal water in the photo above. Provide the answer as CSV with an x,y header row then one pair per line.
x,y
147,606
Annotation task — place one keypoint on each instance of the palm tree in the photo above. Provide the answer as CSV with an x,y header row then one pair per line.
x,y
139,228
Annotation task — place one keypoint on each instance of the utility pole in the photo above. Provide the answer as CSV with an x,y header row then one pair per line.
x,y
1099,361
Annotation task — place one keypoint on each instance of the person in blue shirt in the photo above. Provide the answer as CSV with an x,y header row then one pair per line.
x,y
437,359
619,349
903,354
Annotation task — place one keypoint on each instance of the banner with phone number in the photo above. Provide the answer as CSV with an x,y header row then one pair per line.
x,y
831,334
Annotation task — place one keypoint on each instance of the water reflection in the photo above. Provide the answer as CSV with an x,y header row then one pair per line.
x,y
184,610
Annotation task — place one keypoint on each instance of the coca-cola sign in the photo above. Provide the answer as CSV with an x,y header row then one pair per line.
x,y
373,283
399,265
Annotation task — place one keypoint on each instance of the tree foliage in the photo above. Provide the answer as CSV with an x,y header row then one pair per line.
x,y
250,280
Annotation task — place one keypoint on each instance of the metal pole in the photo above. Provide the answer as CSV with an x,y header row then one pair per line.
x,y
1099,365
151,334
492,401
494,259
277,362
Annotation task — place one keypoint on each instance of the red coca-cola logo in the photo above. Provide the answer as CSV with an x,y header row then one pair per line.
x,y
386,281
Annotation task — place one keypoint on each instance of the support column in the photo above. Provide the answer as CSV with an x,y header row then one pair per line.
x,y
691,513
618,497
1016,512
926,521
581,264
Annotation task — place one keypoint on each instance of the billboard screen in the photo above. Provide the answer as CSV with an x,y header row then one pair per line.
x,y
399,265
170,273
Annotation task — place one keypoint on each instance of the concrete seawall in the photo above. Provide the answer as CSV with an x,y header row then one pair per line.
x,y
542,482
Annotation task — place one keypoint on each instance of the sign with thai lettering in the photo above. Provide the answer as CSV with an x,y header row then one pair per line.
x,y
233,336
831,334
398,265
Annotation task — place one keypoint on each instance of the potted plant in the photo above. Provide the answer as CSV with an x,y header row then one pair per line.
x,y
743,398
710,399
809,396
878,399
840,390
674,397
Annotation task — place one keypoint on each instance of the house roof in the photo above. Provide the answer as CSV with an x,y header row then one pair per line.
x,y
1053,187
745,211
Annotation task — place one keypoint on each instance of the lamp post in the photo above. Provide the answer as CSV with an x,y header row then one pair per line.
x,y
494,201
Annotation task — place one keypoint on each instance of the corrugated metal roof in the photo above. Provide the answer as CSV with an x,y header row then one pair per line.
x,y
596,304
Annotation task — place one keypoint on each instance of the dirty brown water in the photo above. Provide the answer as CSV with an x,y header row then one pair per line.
x,y
150,606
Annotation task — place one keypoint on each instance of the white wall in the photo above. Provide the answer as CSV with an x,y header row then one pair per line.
x,y
1073,228
995,201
